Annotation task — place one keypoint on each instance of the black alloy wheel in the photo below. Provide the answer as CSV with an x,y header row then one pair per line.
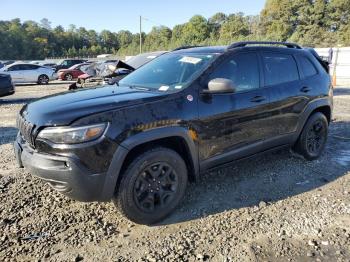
x,y
152,185
155,187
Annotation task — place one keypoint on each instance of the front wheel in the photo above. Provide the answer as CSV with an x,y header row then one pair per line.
x,y
313,138
43,80
152,186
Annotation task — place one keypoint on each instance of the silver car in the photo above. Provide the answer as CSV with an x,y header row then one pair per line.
x,y
29,73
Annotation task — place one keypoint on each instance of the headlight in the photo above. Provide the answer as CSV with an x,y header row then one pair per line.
x,y
72,135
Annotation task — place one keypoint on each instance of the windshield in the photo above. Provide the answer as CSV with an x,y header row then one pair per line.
x,y
169,71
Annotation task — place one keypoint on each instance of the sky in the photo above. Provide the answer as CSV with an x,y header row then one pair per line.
x,y
115,15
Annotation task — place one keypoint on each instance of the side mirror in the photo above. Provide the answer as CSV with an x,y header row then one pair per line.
x,y
220,86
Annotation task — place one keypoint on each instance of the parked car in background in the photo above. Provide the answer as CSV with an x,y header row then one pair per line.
x,y
97,73
142,59
71,73
67,63
112,71
52,65
8,62
29,73
6,85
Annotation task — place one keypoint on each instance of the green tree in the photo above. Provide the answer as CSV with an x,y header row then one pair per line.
x,y
158,39
235,28
196,31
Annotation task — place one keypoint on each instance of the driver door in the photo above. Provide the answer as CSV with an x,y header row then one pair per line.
x,y
16,72
232,123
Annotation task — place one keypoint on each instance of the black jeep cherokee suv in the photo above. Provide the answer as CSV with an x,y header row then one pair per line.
x,y
140,141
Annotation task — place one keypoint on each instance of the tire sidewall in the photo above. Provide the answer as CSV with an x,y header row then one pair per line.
x,y
40,80
303,139
126,189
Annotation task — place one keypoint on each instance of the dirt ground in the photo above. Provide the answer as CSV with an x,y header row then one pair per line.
x,y
275,207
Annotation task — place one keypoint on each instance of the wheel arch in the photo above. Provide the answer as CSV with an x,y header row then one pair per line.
x,y
323,106
326,110
175,138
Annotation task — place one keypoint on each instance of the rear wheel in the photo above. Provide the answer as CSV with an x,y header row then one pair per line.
x,y
68,77
43,80
313,138
152,186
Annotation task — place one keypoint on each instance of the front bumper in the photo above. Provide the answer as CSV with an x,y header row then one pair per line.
x,y
54,77
65,174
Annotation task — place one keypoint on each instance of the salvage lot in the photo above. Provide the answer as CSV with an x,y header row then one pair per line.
x,y
275,207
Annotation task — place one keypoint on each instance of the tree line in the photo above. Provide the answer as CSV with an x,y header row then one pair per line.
x,y
312,23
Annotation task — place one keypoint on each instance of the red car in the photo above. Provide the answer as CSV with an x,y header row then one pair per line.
x,y
71,73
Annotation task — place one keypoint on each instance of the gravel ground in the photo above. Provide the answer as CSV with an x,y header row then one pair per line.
x,y
275,207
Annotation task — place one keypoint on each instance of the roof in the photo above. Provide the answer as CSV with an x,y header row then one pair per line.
x,y
251,45
203,50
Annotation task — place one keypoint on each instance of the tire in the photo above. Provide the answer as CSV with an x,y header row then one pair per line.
x,y
43,80
313,138
145,195
68,77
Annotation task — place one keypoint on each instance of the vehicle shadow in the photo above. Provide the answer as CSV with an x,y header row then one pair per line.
x,y
341,91
8,135
268,178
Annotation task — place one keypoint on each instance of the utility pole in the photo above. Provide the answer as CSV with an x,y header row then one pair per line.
x,y
140,34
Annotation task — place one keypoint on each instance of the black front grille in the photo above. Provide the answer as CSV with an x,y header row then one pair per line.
x,y
26,129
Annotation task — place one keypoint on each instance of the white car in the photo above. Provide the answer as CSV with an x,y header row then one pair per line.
x,y
29,73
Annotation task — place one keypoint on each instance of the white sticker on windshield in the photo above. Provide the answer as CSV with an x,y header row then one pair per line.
x,y
190,60
151,57
178,87
163,88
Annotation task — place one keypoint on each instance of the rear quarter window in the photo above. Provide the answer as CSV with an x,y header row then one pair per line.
x,y
279,68
307,67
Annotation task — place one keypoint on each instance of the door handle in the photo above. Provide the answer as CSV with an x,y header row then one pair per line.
x,y
306,89
258,99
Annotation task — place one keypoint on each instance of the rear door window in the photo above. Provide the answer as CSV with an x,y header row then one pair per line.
x,y
307,67
279,68
30,67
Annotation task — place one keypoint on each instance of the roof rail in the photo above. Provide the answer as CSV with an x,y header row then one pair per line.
x,y
245,43
186,47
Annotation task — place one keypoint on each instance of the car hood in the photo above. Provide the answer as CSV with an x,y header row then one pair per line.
x,y
64,108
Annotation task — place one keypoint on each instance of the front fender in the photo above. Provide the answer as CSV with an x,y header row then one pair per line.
x,y
131,142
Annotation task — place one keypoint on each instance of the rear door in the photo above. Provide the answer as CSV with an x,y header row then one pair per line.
x,y
311,80
282,79
31,73
231,123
